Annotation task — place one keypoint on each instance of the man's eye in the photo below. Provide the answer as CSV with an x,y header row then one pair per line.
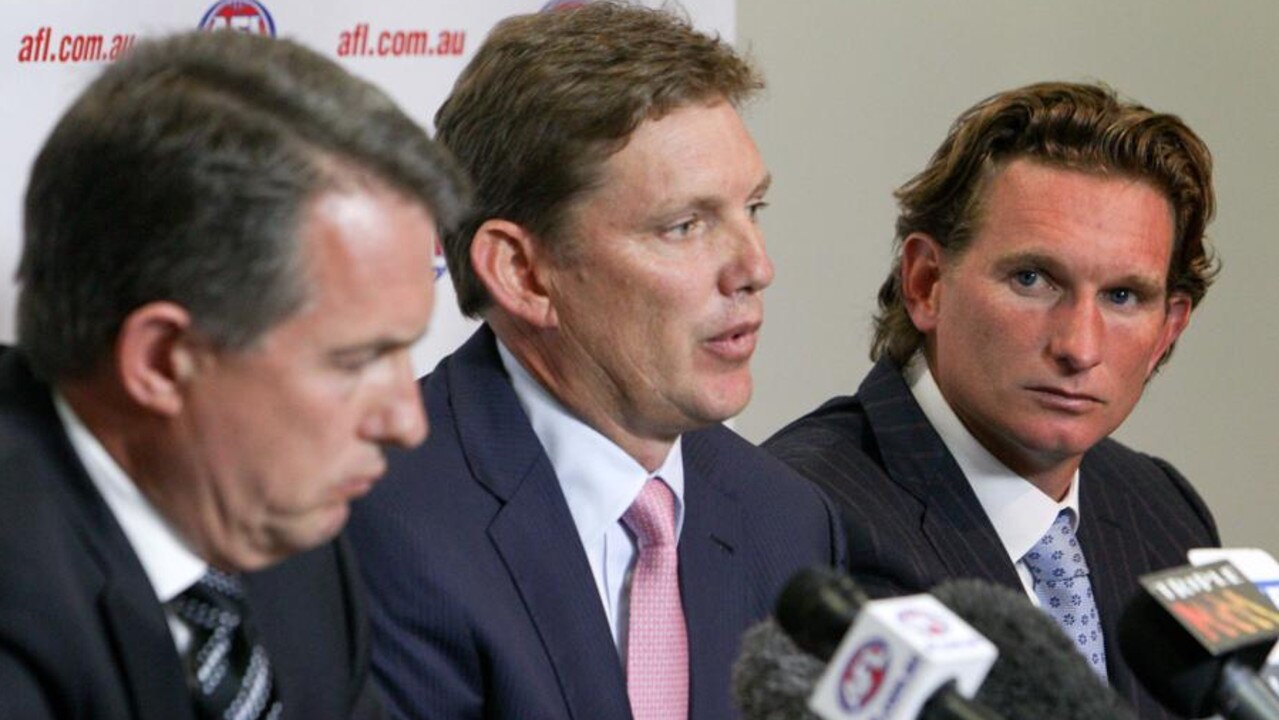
x,y
1121,296
755,209
353,362
683,229
1026,278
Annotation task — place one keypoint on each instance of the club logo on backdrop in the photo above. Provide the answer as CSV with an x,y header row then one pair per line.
x,y
863,676
563,4
241,15
441,266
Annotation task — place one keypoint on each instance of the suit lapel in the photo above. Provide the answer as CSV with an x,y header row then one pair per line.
x,y
954,523
138,634
1116,555
715,607
146,652
534,533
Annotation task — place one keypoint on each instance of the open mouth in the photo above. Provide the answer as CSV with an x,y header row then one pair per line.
x,y
737,344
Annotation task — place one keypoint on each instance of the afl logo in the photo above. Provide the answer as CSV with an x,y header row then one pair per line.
x,y
242,15
563,4
923,623
863,676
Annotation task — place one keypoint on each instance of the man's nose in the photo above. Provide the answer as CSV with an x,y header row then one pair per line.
x,y
400,417
1078,334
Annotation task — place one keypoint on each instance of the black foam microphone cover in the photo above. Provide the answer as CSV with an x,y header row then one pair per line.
x,y
1039,672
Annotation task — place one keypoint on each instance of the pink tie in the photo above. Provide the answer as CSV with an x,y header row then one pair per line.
x,y
657,642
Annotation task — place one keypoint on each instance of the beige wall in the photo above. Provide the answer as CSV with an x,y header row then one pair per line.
x,y
861,92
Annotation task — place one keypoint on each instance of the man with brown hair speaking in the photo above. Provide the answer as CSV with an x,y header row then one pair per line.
x,y
580,537
1048,258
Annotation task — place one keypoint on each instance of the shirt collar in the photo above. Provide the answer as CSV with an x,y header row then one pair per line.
x,y
598,478
169,563
1020,512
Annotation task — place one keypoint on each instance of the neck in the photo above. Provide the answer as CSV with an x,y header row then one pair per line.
x,y
1053,482
145,448
571,389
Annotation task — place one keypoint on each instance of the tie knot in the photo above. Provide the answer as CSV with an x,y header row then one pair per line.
x,y
216,599
1057,555
652,516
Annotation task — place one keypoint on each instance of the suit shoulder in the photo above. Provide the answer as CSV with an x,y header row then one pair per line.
x,y
737,456
837,425
833,446
1151,483
792,523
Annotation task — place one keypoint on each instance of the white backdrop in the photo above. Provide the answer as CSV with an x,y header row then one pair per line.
x,y
411,48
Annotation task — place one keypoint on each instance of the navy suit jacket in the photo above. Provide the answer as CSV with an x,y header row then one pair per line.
x,y
913,519
82,634
482,598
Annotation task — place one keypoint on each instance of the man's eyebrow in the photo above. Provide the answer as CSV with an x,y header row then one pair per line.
x,y
764,185
377,346
710,202
1028,258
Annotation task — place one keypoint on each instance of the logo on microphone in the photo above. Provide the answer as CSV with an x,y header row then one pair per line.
x,y
241,15
864,675
923,622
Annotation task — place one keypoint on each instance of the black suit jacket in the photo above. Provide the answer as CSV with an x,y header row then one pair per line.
x,y
82,634
912,519
482,597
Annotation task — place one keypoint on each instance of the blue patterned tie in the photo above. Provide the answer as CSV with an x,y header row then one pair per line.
x,y
1061,582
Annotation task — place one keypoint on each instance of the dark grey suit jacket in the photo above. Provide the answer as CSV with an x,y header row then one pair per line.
x,y
82,634
912,519
482,598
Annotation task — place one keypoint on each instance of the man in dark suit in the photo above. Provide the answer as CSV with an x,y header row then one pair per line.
x,y
227,254
580,537
1047,259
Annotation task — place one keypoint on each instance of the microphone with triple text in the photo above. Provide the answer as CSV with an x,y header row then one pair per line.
x,y
1262,570
1196,637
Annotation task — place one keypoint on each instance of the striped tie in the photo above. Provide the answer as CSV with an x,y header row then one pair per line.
x,y
228,671
657,641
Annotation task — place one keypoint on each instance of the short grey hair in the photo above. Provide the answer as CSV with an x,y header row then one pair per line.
x,y
181,174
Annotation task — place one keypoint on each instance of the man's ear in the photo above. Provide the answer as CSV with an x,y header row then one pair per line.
x,y
1176,319
513,265
156,356
921,269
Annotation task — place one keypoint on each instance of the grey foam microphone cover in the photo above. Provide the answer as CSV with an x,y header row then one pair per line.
x,y
773,678
1039,673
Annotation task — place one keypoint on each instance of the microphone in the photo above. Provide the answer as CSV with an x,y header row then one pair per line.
x,y
1196,637
1039,673
773,678
904,657
1262,570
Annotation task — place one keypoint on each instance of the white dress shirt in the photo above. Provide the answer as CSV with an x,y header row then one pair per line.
x,y
169,563
1020,512
599,481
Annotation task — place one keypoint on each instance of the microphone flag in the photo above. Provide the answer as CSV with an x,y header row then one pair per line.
x,y
898,652
1217,604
